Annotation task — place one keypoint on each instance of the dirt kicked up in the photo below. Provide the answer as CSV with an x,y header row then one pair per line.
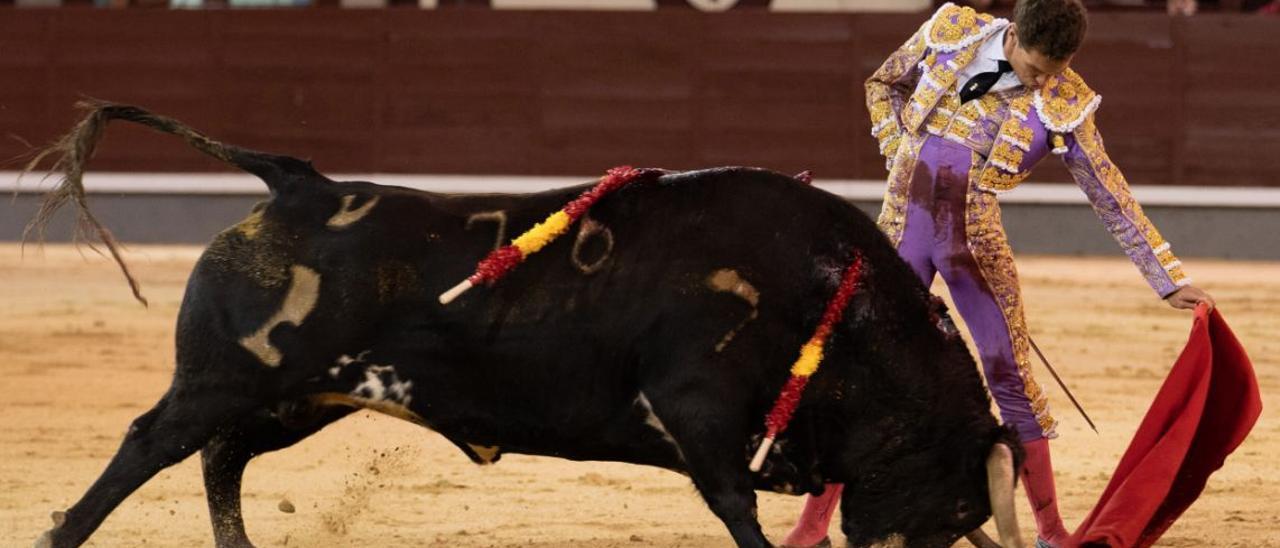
x,y
79,360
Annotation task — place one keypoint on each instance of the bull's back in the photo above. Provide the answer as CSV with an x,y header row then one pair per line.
x,y
751,240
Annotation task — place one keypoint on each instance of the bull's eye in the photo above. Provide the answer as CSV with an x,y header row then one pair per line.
x,y
963,508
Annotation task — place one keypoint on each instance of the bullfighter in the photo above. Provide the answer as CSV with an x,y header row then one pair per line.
x,y
963,111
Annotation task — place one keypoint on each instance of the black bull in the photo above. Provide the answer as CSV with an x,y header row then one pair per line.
x,y
658,331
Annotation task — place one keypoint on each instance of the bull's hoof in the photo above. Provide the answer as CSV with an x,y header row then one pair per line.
x,y
45,540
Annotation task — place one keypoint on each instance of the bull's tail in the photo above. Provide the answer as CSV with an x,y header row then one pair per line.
x,y
72,152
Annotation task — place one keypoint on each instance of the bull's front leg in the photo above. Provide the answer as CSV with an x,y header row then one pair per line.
x,y
710,433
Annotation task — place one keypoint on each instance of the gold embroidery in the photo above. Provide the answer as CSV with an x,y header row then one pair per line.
x,y
883,101
1004,169
960,129
939,74
1067,90
1065,101
1099,166
972,109
990,248
891,146
1019,108
893,214
951,101
1020,134
925,96
887,132
990,102
1059,144
953,24
937,122
880,111
1006,156
998,180
941,114
941,78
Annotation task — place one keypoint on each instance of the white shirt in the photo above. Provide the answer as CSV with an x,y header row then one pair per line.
x,y
985,61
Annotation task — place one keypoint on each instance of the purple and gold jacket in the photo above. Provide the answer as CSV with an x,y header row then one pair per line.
x,y
913,95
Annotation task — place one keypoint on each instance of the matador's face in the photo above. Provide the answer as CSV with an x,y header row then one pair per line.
x,y
1033,68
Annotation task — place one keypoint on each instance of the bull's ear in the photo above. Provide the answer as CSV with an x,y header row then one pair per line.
x,y
979,538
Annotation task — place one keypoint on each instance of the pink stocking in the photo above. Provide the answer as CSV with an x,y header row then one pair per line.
x,y
1037,478
816,518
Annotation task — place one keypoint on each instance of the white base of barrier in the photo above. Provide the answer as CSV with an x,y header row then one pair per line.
x,y
860,190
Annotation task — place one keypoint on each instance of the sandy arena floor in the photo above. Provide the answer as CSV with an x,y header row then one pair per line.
x,y
79,359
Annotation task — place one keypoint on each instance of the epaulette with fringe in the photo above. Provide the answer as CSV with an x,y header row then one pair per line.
x,y
954,27
1065,101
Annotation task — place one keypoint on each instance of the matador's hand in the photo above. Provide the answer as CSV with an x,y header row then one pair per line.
x,y
1187,297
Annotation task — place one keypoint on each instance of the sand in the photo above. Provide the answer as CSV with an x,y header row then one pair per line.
x,y
79,359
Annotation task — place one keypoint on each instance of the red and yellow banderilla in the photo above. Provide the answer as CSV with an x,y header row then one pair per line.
x,y
502,260
807,364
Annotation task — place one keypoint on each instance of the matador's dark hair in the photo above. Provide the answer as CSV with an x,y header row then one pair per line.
x,y
1055,28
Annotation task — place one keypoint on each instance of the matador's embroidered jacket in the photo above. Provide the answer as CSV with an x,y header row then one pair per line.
x,y
913,95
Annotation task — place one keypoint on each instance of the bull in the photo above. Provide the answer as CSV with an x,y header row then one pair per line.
x,y
658,334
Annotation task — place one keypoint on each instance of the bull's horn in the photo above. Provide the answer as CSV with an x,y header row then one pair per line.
x,y
1000,489
979,538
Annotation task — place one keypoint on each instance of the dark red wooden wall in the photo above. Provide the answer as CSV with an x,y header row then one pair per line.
x,y
1186,100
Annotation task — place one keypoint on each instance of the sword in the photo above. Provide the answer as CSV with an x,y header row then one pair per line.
x,y
1062,384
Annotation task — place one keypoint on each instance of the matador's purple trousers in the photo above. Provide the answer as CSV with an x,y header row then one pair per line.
x,y
935,242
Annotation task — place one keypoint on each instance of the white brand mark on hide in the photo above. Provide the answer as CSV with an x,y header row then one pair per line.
x,y
499,217
346,216
304,291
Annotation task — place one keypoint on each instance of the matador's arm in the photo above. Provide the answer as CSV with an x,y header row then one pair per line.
x,y
888,89
1109,193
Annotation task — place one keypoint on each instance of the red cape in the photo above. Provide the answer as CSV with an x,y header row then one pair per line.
x,y
1207,406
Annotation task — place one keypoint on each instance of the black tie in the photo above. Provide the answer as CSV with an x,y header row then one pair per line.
x,y
980,83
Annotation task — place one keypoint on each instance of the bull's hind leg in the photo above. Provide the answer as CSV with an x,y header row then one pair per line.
x,y
171,431
712,435
225,456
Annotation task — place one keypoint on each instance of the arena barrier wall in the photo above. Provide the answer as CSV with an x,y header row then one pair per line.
x,y
1187,101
